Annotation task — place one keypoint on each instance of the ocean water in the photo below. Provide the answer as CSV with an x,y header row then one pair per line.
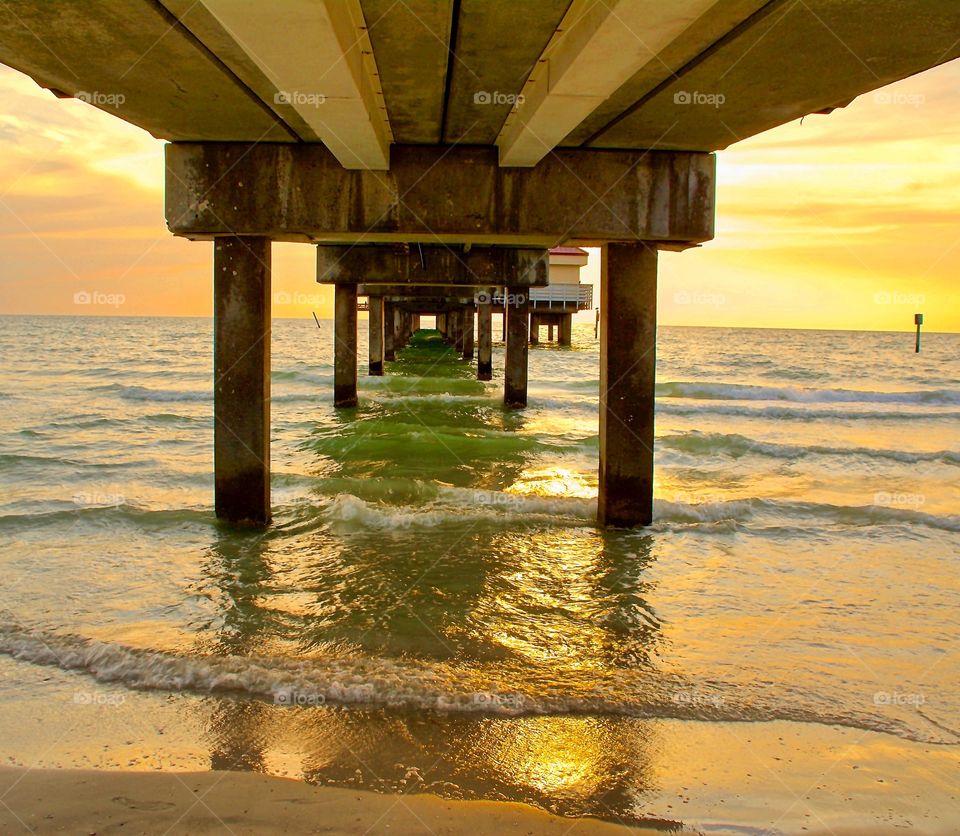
x,y
434,606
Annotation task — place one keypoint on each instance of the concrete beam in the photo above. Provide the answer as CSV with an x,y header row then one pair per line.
x,y
241,370
318,56
419,291
628,366
597,48
137,62
431,267
438,195
483,81
411,41
770,71
430,306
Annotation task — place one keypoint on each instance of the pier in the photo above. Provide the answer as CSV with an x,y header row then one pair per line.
x,y
450,159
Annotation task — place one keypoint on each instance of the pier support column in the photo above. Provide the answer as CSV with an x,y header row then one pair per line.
x,y
515,367
485,341
628,359
455,333
565,330
345,345
468,332
375,342
534,329
241,373
415,324
397,326
389,346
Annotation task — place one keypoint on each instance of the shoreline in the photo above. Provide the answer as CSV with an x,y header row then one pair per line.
x,y
107,801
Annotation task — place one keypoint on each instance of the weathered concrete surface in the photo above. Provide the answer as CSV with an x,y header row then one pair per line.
x,y
515,363
438,194
794,58
418,291
468,332
241,370
598,47
628,363
107,49
345,345
479,72
485,341
375,338
411,42
450,71
389,348
440,269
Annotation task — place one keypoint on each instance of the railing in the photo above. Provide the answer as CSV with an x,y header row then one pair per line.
x,y
580,295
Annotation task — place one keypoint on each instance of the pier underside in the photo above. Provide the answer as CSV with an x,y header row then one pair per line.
x,y
434,151
449,234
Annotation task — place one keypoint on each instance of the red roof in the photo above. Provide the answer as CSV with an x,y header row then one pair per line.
x,y
567,251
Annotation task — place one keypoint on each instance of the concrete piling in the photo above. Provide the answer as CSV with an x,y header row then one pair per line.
x,y
241,367
485,341
375,330
515,368
468,334
389,346
628,359
345,346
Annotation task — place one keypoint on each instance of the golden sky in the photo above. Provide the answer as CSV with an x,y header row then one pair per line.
x,y
850,220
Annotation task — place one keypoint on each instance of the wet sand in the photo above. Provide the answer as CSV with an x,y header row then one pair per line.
x,y
101,802
107,802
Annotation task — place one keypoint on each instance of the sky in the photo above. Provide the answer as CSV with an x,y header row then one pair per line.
x,y
844,221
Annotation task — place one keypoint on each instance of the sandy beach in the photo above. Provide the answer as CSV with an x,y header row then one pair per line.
x,y
90,801
104,802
